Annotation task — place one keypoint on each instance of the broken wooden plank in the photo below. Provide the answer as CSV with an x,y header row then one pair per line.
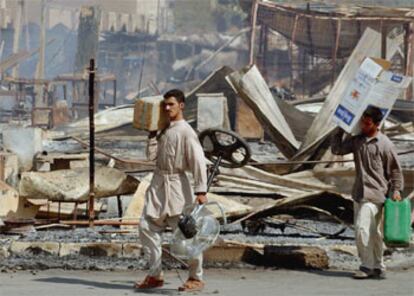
x,y
282,190
136,206
101,223
272,167
252,88
260,175
230,188
13,206
231,208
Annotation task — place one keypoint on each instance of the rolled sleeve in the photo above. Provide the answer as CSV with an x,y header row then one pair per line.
x,y
340,146
393,169
196,163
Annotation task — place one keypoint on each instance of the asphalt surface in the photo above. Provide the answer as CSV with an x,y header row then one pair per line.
x,y
219,282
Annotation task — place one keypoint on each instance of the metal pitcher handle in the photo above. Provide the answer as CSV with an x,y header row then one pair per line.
x,y
197,209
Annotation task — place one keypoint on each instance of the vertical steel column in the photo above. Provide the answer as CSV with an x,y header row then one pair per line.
x,y
91,209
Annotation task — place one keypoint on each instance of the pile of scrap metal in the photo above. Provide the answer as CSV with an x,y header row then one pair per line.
x,y
302,180
309,181
38,187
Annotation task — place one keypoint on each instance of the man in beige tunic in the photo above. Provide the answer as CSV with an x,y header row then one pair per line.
x,y
378,174
176,150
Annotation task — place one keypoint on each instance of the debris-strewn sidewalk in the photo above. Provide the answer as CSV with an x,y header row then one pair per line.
x,y
108,248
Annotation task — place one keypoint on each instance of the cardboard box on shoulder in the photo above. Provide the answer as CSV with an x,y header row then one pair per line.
x,y
149,114
373,85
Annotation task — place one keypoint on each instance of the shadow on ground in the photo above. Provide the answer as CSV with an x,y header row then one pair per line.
x,y
116,285
333,273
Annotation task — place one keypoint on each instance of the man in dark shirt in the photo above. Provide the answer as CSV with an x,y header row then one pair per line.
x,y
378,174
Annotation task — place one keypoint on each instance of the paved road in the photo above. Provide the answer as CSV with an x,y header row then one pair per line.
x,y
220,282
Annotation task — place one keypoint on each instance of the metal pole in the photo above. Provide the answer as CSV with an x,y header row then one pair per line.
x,y
255,8
91,143
213,172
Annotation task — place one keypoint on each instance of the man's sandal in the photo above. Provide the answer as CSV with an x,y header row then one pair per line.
x,y
149,282
192,285
363,273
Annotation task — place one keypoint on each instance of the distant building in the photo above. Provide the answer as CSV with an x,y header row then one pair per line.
x,y
152,16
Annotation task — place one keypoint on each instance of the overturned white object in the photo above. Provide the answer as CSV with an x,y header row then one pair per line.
x,y
212,111
372,85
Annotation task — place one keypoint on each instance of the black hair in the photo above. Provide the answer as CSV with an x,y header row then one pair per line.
x,y
374,113
176,93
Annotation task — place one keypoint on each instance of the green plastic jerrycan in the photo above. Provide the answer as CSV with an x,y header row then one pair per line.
x,y
397,222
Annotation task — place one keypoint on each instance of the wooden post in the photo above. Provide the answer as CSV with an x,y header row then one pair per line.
x,y
59,210
16,36
41,63
255,8
96,95
115,92
39,114
75,214
91,209
265,50
292,41
2,167
74,98
65,92
263,47
335,51
409,58
119,203
384,33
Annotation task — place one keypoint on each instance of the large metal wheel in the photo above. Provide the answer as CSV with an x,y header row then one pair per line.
x,y
229,147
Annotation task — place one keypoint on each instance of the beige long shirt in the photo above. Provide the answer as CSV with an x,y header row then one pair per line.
x,y
378,171
176,151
